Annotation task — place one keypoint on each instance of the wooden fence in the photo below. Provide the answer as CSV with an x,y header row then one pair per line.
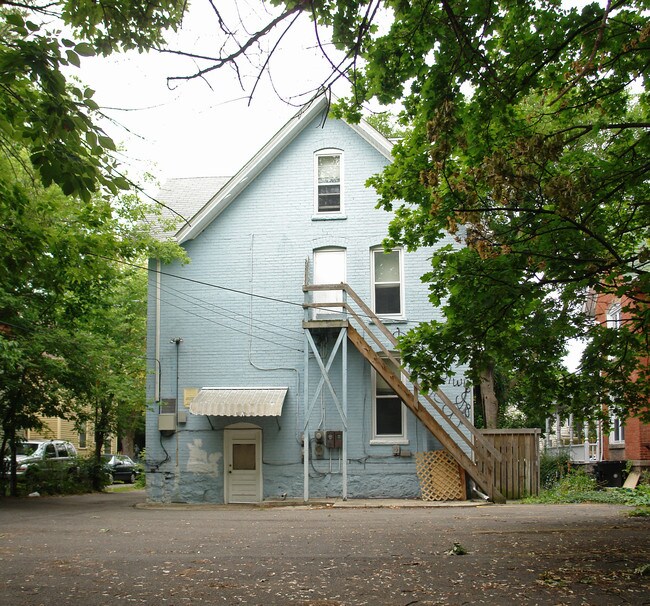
x,y
517,475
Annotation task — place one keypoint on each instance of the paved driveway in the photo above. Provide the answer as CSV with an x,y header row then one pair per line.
x,y
103,549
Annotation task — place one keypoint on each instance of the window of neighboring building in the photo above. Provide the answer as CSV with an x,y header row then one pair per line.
x,y
387,282
613,320
617,433
389,414
329,181
83,435
613,316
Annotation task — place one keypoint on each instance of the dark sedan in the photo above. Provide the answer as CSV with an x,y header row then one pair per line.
x,y
121,467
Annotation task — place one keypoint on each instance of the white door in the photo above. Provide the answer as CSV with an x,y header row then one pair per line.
x,y
329,268
243,462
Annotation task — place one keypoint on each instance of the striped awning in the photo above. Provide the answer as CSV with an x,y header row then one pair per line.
x,y
239,401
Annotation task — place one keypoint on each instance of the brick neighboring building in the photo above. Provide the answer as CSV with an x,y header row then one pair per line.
x,y
629,439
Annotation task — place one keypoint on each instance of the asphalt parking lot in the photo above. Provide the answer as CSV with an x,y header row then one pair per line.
x,y
112,549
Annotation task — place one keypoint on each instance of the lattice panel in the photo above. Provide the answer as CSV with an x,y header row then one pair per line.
x,y
440,477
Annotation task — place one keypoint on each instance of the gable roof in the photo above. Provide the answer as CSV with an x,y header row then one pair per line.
x,y
224,195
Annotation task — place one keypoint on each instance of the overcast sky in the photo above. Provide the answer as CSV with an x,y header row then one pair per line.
x,y
203,127
198,128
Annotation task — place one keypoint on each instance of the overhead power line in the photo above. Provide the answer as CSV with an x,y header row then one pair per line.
x,y
212,321
210,306
201,282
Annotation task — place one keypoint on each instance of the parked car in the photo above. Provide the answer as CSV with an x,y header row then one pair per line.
x,y
121,467
56,454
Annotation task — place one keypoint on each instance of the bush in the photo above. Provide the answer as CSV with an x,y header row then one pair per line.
x,y
576,480
552,468
92,475
141,480
83,475
579,487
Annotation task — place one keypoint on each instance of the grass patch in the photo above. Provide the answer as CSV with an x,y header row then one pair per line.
x,y
578,487
122,488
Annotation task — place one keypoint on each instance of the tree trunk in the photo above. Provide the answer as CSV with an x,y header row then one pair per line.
x,y
128,443
9,447
488,397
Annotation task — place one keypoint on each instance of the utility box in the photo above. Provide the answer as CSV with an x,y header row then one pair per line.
x,y
182,417
167,421
610,473
334,439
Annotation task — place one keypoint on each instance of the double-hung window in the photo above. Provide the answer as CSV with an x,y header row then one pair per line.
x,y
387,282
329,268
328,171
389,414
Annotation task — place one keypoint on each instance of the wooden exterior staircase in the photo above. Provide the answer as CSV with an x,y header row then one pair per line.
x,y
436,412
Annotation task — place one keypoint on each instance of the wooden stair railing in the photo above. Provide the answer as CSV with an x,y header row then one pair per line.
x,y
482,467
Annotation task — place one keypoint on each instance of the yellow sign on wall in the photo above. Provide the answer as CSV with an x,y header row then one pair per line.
x,y
189,393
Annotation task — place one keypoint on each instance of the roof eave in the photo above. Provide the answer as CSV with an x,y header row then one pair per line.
x,y
383,145
222,199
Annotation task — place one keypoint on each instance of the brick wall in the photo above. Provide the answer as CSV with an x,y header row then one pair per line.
x,y
260,244
637,434
637,440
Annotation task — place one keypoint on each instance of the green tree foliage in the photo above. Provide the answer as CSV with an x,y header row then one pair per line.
x,y
43,113
109,360
526,139
71,332
71,321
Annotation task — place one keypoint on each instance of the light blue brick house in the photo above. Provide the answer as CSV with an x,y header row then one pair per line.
x,y
266,383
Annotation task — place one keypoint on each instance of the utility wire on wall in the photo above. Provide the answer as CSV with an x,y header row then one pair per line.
x,y
218,286
208,306
226,326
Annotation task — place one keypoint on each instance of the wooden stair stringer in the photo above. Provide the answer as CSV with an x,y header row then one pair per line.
x,y
426,418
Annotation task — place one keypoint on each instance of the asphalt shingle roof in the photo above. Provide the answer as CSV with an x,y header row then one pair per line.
x,y
186,196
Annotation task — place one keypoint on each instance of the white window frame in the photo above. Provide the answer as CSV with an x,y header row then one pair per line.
x,y
613,319
401,438
613,316
617,433
329,296
402,312
320,154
